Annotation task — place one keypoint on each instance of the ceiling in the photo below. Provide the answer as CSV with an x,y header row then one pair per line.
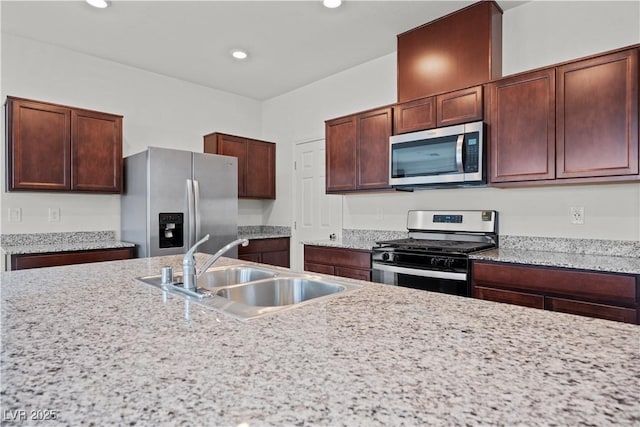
x,y
290,43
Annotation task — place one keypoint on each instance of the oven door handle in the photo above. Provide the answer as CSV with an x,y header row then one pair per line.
x,y
418,272
459,146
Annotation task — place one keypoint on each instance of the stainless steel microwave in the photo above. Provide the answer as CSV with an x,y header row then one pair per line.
x,y
452,155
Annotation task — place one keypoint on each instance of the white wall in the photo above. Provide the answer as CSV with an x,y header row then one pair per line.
x,y
534,34
157,110
167,112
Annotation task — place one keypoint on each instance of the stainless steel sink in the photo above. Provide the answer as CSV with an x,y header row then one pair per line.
x,y
247,292
219,276
279,291
226,276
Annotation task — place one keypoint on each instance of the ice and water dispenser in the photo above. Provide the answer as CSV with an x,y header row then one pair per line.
x,y
171,230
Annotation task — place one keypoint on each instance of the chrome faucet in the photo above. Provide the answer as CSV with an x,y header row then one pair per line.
x,y
189,275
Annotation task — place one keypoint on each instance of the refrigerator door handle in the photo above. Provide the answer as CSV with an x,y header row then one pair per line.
x,y
196,208
191,213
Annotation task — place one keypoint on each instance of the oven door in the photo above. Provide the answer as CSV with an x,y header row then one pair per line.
x,y
428,280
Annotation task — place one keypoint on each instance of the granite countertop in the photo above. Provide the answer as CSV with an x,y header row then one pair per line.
x,y
33,243
605,263
255,236
89,343
346,243
253,232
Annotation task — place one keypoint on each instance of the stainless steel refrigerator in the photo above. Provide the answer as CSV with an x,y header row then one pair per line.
x,y
173,198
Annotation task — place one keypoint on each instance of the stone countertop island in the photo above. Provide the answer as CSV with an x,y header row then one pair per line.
x,y
87,345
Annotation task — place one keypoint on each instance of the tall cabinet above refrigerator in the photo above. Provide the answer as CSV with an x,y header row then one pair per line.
x,y
173,198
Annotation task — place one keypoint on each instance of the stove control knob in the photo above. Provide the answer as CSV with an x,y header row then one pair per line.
x,y
386,256
448,263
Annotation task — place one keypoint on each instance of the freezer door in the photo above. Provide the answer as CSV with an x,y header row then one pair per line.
x,y
168,171
216,184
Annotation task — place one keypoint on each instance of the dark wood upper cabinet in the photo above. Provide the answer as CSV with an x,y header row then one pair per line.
x,y
573,123
459,50
414,115
374,130
357,151
97,151
522,121
597,107
53,147
261,169
461,106
340,146
256,163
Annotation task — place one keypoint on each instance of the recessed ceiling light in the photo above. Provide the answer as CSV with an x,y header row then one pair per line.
x,y
331,4
239,54
100,4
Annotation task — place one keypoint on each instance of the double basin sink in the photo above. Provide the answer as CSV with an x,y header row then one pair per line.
x,y
247,291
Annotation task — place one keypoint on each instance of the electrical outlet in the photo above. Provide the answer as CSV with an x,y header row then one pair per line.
x,y
576,215
15,214
54,214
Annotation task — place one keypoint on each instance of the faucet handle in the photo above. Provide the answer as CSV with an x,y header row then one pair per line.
x,y
189,255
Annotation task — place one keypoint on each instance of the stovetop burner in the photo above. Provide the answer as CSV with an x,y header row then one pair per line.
x,y
435,245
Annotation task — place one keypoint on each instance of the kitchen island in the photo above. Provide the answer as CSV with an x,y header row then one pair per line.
x,y
86,344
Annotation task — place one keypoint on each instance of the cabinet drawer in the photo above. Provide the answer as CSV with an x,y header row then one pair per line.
x,y
354,258
265,245
603,286
509,297
601,311
21,262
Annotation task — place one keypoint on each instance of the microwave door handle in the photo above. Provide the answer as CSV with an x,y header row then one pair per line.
x,y
459,145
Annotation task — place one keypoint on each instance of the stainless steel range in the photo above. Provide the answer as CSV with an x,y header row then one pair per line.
x,y
435,257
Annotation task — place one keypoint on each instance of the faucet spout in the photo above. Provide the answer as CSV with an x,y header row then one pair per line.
x,y
222,251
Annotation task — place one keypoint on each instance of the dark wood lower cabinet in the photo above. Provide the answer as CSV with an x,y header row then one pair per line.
x,y
609,296
343,262
509,297
274,251
22,262
590,309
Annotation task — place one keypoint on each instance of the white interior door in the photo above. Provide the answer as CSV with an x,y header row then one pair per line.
x,y
317,214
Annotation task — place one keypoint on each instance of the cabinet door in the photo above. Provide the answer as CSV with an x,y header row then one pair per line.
x,y
278,258
374,130
414,116
319,268
261,167
96,146
237,147
38,135
509,297
597,127
522,127
601,311
353,273
250,257
340,140
461,106
459,50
